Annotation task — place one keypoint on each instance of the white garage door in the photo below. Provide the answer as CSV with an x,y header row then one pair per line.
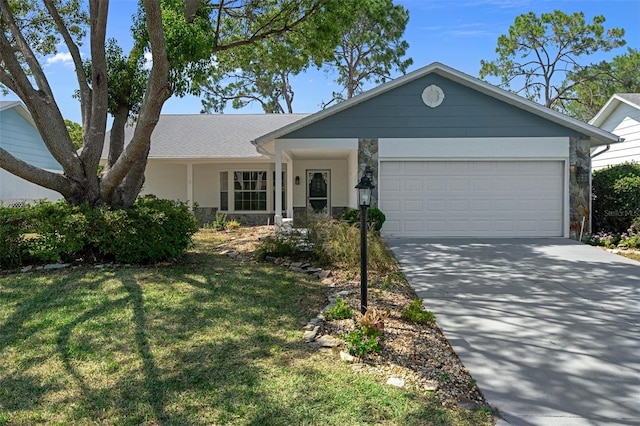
x,y
472,198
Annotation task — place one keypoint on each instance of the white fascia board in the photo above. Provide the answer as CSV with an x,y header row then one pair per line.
x,y
328,144
605,111
473,148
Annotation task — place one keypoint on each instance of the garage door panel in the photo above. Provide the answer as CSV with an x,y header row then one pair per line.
x,y
412,185
436,184
410,226
473,198
413,206
457,184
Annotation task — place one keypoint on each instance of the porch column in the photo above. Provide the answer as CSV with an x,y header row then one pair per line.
x,y
289,190
277,220
190,186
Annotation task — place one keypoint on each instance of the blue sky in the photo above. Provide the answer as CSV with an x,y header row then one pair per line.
x,y
457,33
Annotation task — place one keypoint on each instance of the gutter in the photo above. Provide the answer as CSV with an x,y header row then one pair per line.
x,y
620,140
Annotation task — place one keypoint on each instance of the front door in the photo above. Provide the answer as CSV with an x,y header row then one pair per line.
x,y
318,194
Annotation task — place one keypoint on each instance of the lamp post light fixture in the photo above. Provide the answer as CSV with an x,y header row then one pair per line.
x,y
364,188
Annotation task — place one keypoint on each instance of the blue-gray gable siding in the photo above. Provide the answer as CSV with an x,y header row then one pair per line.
x,y
22,140
400,113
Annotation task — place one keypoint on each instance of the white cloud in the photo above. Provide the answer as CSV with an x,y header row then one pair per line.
x,y
148,58
63,59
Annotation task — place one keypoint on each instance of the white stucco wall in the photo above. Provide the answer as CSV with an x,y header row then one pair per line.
x,y
339,180
166,180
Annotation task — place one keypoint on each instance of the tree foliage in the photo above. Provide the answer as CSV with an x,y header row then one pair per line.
x,y
75,133
616,197
372,49
600,82
359,40
182,37
261,72
540,52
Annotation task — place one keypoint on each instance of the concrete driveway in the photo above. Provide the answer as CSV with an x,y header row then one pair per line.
x,y
549,328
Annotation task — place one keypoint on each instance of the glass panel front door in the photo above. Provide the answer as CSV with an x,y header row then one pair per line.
x,y
318,194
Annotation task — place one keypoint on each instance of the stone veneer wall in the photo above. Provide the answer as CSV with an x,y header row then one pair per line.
x,y
579,186
300,215
208,214
368,156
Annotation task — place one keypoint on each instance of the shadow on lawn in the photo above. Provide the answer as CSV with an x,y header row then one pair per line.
x,y
165,346
196,343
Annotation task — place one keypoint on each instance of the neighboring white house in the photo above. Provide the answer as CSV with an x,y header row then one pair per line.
x,y
19,136
620,116
451,155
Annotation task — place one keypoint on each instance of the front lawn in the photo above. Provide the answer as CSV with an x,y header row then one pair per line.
x,y
206,341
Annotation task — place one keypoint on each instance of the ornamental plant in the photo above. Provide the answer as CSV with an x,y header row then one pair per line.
x,y
415,312
341,310
367,336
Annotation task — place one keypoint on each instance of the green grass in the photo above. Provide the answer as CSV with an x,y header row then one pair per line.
x,y
205,341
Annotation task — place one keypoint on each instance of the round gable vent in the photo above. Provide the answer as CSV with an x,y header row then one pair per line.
x,y
432,96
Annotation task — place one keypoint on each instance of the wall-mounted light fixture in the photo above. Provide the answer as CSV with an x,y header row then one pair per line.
x,y
297,180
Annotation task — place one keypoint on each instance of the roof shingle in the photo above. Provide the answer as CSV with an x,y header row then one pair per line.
x,y
209,135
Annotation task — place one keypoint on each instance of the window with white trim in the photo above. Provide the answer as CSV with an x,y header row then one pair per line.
x,y
249,191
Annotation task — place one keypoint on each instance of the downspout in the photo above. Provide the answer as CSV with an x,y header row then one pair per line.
x,y
620,140
601,152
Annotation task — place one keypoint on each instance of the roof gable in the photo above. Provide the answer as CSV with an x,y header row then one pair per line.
x,y
631,99
489,111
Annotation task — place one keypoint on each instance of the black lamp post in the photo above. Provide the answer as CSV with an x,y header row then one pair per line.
x,y
364,188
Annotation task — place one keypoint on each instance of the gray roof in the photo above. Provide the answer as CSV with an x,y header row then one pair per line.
x,y
210,135
634,98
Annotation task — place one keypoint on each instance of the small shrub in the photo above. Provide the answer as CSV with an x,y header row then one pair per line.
x,y
220,223
278,246
341,310
232,225
351,215
374,215
367,336
616,197
335,242
59,231
415,312
152,230
14,225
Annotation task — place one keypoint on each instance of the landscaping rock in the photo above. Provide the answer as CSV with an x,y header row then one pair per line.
x,y
327,341
26,268
310,335
346,357
56,266
316,321
396,381
324,274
